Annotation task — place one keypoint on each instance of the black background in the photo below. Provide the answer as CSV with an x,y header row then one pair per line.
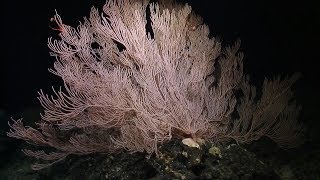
x,y
278,37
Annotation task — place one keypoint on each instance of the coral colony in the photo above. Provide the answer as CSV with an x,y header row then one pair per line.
x,y
168,81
